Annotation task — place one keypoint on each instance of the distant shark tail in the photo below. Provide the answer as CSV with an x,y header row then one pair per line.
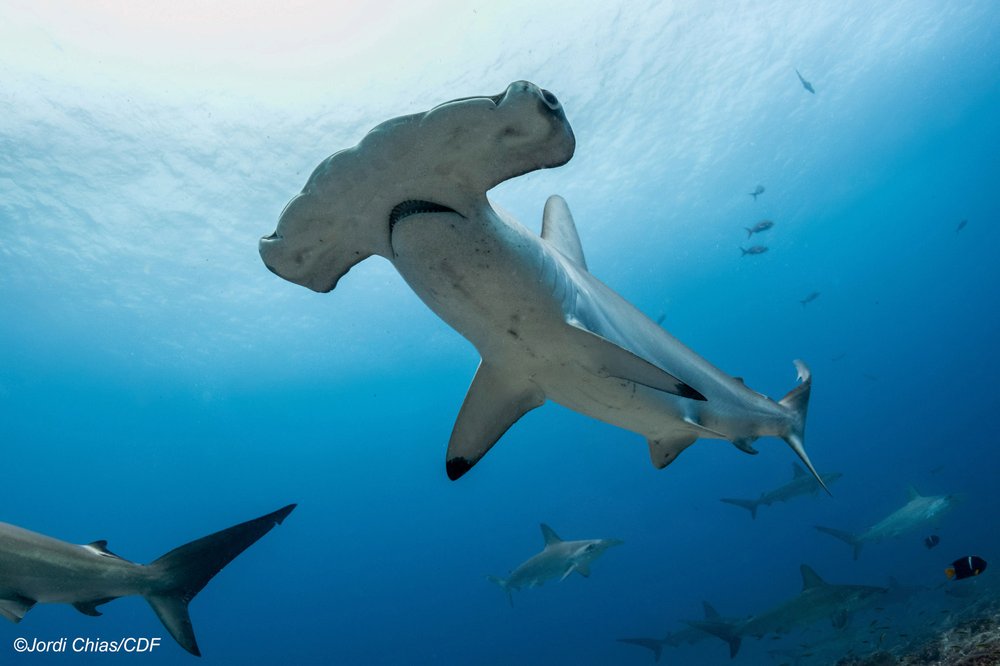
x,y
846,537
504,586
182,573
749,505
749,230
725,631
797,402
745,252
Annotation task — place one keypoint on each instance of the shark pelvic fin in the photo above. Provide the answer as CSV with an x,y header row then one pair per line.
x,y
90,607
664,450
613,360
14,607
549,535
494,402
559,230
810,578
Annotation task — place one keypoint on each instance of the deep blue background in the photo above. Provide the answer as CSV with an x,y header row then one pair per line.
x,y
158,384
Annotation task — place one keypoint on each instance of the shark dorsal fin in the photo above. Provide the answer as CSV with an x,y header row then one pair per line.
x,y
549,535
810,578
101,548
797,471
559,229
912,494
710,612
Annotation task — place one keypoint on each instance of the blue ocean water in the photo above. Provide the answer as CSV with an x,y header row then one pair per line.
x,y
158,383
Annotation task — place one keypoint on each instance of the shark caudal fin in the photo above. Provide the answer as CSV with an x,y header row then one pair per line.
x,y
504,586
183,572
846,537
797,402
749,505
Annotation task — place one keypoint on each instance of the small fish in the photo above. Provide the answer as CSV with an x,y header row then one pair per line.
x,y
961,225
805,84
756,249
966,567
932,541
810,298
763,225
757,190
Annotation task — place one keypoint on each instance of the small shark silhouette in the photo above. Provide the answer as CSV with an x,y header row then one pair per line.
x,y
805,84
801,484
558,559
919,510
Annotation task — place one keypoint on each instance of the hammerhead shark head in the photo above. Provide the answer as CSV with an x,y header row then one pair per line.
x,y
35,568
817,601
801,484
558,559
919,510
414,192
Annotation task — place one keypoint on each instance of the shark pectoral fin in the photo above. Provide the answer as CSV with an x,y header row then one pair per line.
x,y
613,360
495,401
15,607
559,229
90,607
663,450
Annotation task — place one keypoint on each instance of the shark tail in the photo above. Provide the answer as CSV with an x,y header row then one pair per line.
x,y
749,230
182,573
846,537
749,505
504,586
745,252
724,631
797,402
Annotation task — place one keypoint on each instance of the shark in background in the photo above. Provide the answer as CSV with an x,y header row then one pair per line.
x,y
414,192
918,511
558,559
688,635
817,601
801,484
35,569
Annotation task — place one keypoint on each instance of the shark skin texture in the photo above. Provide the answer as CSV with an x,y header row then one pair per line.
x,y
558,559
919,511
35,569
413,191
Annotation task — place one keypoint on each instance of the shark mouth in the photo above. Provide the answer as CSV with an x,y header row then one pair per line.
x,y
415,207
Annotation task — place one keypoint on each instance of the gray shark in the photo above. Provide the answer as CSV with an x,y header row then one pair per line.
x,y
817,601
917,512
687,635
37,569
414,192
558,559
801,484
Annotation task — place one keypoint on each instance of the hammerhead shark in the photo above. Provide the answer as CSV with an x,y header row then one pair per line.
x,y
35,568
414,192
675,638
817,601
801,484
558,559
918,511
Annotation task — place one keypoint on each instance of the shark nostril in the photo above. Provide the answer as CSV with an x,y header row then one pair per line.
x,y
550,99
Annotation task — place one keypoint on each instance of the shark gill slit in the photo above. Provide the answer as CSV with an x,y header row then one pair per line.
x,y
415,207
